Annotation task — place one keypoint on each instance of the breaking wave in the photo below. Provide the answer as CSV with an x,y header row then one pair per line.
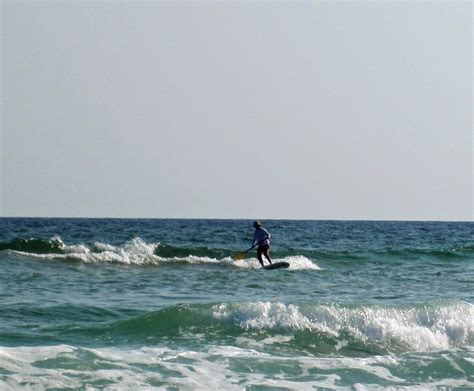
x,y
315,328
138,252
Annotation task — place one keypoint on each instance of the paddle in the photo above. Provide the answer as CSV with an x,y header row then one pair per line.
x,y
241,255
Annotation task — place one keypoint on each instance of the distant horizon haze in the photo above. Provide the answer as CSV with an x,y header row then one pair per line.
x,y
298,111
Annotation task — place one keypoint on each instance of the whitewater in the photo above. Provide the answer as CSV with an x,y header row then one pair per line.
x,y
158,304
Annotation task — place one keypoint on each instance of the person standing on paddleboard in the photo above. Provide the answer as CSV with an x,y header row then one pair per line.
x,y
261,237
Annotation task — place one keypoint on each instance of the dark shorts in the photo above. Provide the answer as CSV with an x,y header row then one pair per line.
x,y
262,249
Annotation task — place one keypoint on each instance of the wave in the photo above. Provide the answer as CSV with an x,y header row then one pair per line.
x,y
232,345
34,246
226,367
311,328
461,251
379,254
138,252
314,328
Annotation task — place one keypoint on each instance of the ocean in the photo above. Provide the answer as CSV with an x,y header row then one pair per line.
x,y
113,304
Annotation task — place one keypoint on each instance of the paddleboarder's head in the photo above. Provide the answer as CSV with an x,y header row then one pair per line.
x,y
257,224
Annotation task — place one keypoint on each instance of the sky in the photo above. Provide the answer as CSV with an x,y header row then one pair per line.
x,y
292,110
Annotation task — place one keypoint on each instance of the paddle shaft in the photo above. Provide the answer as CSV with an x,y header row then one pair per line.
x,y
246,251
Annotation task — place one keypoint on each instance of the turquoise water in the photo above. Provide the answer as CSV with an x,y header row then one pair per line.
x,y
122,304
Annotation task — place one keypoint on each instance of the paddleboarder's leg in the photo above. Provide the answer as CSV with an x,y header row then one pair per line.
x,y
264,249
259,254
266,252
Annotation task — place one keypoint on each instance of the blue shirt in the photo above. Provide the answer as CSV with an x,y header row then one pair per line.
x,y
261,236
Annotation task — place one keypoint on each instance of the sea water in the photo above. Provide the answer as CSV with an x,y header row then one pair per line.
x,y
136,303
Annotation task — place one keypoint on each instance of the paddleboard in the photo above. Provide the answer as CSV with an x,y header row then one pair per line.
x,y
276,265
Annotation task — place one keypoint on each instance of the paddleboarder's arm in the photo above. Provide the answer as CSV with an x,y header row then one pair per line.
x,y
255,238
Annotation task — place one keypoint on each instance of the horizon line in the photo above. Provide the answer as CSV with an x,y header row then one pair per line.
x,y
233,218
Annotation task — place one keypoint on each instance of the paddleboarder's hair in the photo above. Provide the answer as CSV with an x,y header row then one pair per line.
x,y
257,223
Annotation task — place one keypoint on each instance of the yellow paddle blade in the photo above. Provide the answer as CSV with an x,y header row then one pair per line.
x,y
239,256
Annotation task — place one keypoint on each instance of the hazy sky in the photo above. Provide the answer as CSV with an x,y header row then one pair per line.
x,y
304,110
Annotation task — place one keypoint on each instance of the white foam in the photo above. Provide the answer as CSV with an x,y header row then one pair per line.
x,y
213,367
263,315
300,262
297,262
410,329
139,252
133,252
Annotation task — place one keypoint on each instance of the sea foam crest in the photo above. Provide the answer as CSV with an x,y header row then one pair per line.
x,y
135,251
297,262
421,328
139,252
